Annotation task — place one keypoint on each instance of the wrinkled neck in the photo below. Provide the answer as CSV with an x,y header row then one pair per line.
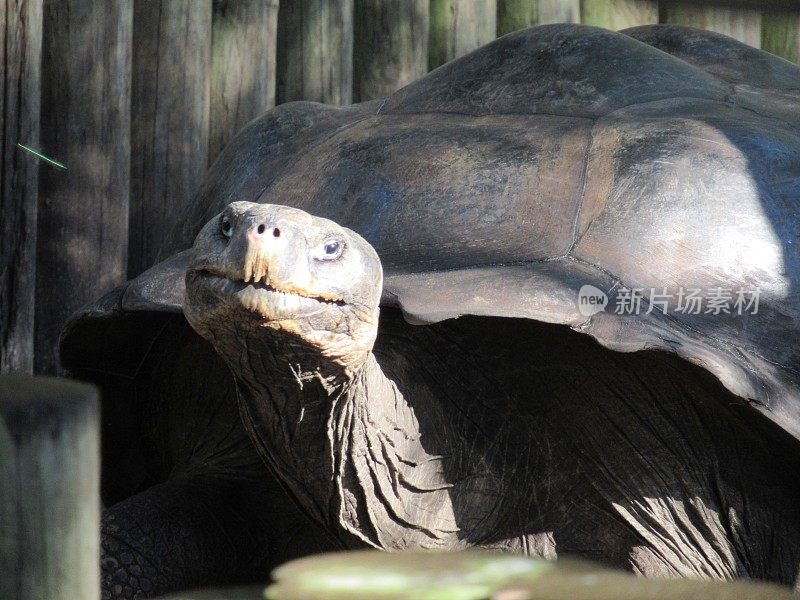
x,y
286,394
389,484
349,448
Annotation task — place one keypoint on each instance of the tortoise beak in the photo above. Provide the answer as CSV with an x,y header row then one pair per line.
x,y
259,252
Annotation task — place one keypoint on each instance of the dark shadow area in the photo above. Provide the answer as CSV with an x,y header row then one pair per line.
x,y
189,502
636,460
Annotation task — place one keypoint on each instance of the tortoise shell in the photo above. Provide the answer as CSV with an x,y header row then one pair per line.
x,y
558,174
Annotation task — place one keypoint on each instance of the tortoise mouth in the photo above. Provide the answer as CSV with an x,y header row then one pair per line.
x,y
265,298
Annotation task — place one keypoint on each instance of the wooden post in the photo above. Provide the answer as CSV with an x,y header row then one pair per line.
x,y
519,14
390,46
49,490
780,34
243,52
169,118
739,23
619,14
516,14
85,124
315,51
458,27
559,11
20,90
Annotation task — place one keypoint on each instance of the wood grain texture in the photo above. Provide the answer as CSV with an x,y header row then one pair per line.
x,y
169,118
20,90
458,27
780,34
567,580
519,14
619,14
49,490
390,46
741,24
315,51
516,14
746,4
243,54
559,11
85,124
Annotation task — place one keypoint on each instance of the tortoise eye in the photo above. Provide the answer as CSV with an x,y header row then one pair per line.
x,y
226,226
331,249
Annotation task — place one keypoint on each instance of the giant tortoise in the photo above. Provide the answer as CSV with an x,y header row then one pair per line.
x,y
586,340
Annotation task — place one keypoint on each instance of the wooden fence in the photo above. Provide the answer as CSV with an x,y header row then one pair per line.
x,y
136,99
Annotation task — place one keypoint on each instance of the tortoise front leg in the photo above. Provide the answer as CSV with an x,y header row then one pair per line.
x,y
198,530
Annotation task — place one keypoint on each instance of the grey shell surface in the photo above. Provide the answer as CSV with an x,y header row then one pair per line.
x,y
660,158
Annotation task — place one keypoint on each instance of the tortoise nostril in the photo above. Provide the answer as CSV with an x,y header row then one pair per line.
x,y
276,232
261,228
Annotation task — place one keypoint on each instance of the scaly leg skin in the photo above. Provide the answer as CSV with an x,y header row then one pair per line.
x,y
200,530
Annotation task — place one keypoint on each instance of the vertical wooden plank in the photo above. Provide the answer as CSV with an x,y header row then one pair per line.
x,y
85,123
619,14
516,14
315,51
440,42
519,14
780,34
739,23
559,11
169,118
49,489
20,91
458,27
243,47
390,46
474,24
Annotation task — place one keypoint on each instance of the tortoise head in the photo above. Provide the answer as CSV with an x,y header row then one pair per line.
x,y
266,272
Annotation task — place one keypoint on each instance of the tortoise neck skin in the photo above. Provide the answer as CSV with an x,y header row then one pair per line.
x,y
346,442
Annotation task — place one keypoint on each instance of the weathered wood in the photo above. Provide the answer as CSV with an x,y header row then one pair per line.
x,y
588,585
243,54
516,14
519,14
49,489
742,24
785,5
85,123
780,34
559,11
458,27
20,90
567,579
315,51
253,592
169,118
390,46
619,14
